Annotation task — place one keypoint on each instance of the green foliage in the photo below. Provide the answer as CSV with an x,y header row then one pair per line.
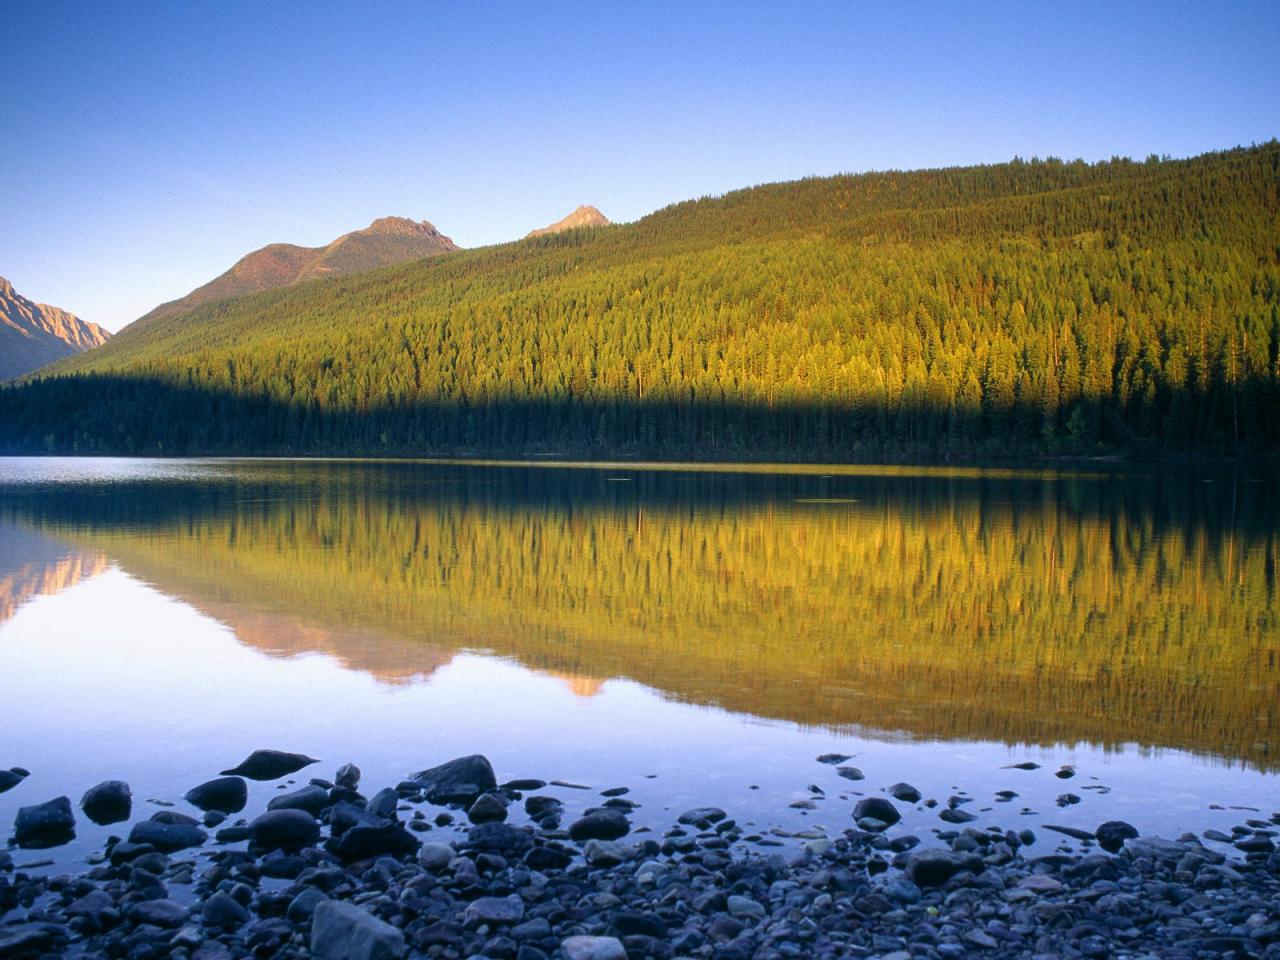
x,y
1008,309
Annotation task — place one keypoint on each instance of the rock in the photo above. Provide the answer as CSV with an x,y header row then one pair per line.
x,y
499,838
269,765
159,913
1040,883
11,778
904,792
342,931
877,808
363,843
223,911
284,830
487,808
225,794
600,825
1066,773
1112,835
30,939
931,868
310,799
702,817
167,837
951,815
347,777
525,784
96,904
111,801
43,825
741,907
851,773
384,803
458,781
1072,832
494,910
834,758
604,853
436,856
303,906
1024,765
592,948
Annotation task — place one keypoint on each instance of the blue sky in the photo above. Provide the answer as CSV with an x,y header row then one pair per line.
x,y
144,147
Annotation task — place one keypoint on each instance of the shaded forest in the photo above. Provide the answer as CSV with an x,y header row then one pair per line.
x,y
1029,308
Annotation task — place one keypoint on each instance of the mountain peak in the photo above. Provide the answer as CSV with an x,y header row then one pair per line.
x,y
33,334
584,216
401,226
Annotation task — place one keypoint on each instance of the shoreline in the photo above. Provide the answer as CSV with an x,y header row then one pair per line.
x,y
450,863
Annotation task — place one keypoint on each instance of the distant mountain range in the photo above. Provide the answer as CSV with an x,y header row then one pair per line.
x,y
385,241
33,334
584,216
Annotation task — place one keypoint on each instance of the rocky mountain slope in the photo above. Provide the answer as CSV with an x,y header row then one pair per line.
x,y
34,334
584,216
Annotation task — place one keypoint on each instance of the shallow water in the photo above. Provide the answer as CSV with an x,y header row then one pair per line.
x,y
699,636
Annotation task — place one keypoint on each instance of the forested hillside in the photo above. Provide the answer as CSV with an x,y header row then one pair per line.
x,y
1026,308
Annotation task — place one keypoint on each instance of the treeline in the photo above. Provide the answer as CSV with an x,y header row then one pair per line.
x,y
1026,308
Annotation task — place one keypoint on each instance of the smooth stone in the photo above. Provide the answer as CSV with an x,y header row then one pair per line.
x,y
525,784
702,817
347,777
956,816
851,773
494,910
834,758
499,838
604,853
877,808
96,903
310,799
488,808
167,837
592,948
931,868
342,931
111,801
459,781
1112,835
159,913
223,910
11,778
363,843
30,939
269,765
284,830
224,794
384,803
740,907
43,825
600,825
303,906
436,856
905,792
1040,883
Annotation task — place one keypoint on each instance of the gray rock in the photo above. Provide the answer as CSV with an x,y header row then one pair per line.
x,y
436,856
1112,835
931,868
269,765
109,802
488,808
604,853
30,939
956,816
167,837
593,948
48,824
383,803
877,808
310,799
224,794
159,913
494,910
342,931
741,907
702,817
600,825
11,778
904,792
223,910
851,773
284,830
303,906
458,781
364,843
347,777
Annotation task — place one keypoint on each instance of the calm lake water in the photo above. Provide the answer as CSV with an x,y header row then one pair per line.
x,y
697,635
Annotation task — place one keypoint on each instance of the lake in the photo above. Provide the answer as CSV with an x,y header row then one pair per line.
x,y
699,635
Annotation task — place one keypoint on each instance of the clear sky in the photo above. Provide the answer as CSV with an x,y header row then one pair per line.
x,y
145,147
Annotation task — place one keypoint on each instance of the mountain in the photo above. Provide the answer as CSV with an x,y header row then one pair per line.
x,y
34,334
1018,309
385,241
584,216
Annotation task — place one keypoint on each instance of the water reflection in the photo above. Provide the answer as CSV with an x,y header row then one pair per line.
x,y
1024,608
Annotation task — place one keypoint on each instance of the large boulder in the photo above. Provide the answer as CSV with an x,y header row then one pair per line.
x,y
932,868
342,931
224,794
1112,835
269,765
284,830
604,824
310,799
877,808
12,777
109,802
458,781
48,824
365,842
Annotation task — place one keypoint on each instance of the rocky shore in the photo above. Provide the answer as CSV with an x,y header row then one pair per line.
x,y
452,864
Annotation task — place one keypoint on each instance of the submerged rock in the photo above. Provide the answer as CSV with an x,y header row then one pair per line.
x,y
877,808
310,799
167,835
604,824
48,824
284,830
109,802
12,777
270,765
1112,835
224,794
904,792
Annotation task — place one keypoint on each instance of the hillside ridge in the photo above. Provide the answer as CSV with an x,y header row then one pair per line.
x,y
35,334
